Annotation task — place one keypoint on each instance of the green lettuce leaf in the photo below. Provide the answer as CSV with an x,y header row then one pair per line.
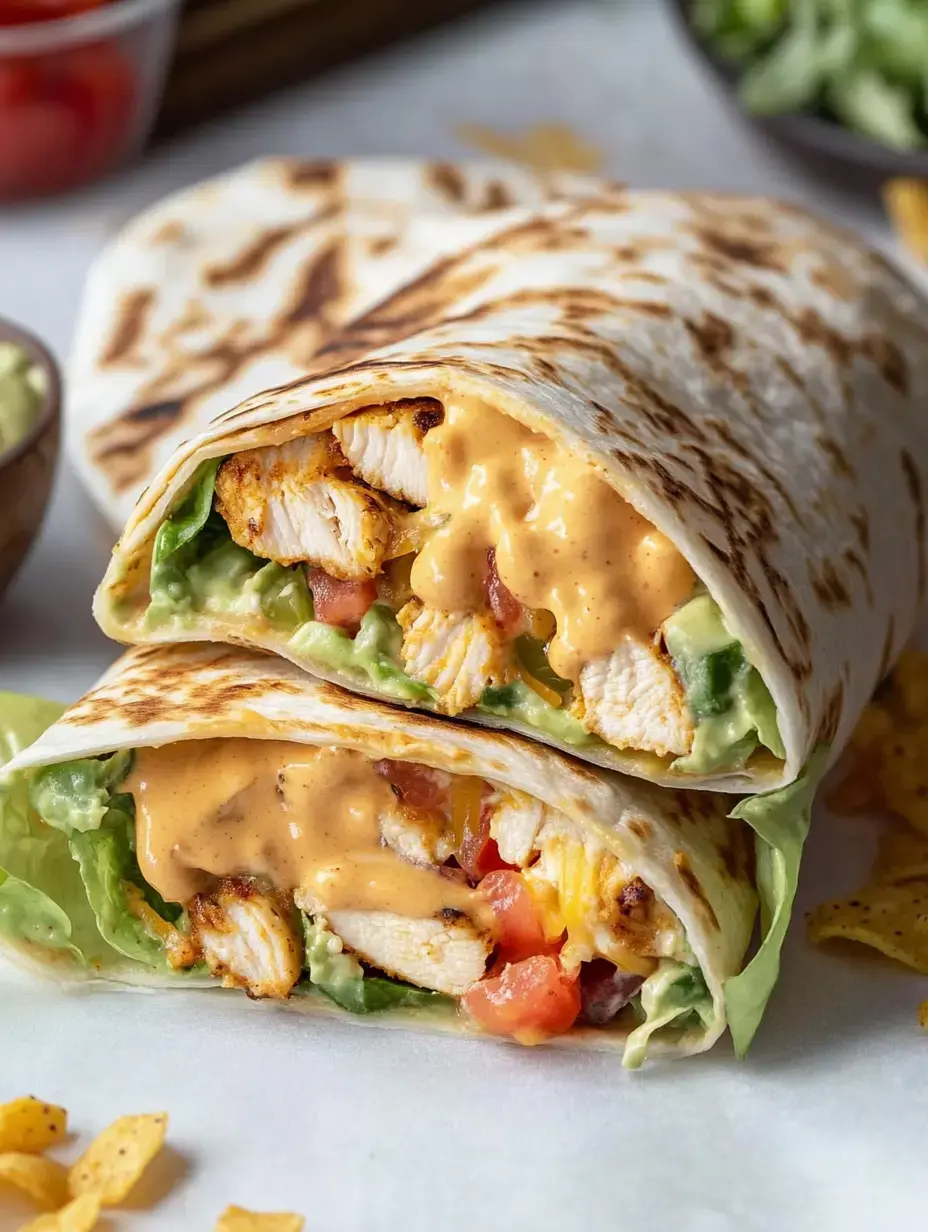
x,y
780,821
674,993
342,978
189,518
74,795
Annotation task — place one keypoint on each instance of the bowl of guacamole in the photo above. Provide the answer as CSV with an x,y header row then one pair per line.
x,y
30,421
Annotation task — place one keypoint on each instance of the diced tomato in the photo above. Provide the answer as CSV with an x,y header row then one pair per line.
x,y
24,12
421,787
478,853
519,930
104,76
340,603
531,1000
39,142
506,608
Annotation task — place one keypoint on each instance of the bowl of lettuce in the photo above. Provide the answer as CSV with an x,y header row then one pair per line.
x,y
843,78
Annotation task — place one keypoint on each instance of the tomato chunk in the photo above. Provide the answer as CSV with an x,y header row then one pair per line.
x,y
506,608
530,1000
520,933
419,786
340,603
478,854
25,12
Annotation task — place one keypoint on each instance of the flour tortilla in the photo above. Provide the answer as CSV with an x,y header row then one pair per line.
x,y
231,286
750,378
681,844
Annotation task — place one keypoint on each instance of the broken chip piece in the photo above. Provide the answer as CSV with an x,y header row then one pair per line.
x,y
116,1159
891,918
43,1180
237,1219
906,202
81,1215
29,1125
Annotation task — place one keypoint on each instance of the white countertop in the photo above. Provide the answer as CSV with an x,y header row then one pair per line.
x,y
822,1128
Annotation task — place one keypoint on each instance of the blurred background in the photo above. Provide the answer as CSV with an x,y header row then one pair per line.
x,y
107,107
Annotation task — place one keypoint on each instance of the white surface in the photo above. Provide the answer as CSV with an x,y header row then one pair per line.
x,y
822,1128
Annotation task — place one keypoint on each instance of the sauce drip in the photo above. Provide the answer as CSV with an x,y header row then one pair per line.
x,y
565,540
302,817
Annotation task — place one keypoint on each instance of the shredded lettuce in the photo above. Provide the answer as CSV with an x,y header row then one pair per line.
x,y
675,993
342,978
780,821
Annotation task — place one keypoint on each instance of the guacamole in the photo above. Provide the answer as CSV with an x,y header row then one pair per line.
x,y
22,387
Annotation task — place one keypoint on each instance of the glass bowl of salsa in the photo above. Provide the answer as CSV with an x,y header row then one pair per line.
x,y
80,83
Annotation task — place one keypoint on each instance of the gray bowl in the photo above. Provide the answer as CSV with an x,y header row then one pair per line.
x,y
810,135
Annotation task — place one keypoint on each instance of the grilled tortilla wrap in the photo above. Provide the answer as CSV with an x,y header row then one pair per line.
x,y
231,286
642,476
209,815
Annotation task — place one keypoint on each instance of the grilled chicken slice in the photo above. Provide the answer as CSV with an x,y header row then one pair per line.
x,y
384,446
285,503
246,938
417,836
632,699
457,653
515,820
444,955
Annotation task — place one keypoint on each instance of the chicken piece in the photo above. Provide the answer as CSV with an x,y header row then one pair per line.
x,y
384,446
457,653
417,836
282,503
444,955
246,938
515,820
633,699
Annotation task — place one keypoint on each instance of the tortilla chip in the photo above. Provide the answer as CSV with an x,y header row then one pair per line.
x,y
31,1126
906,202
236,1219
81,1215
891,918
44,1180
114,1161
902,856
904,776
923,1015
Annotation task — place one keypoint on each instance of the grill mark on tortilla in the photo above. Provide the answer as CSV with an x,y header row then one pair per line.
x,y
497,197
854,560
744,250
641,829
913,484
887,656
447,180
682,864
132,317
320,286
860,520
172,232
831,714
380,245
834,280
311,173
890,361
714,338
838,458
829,589
253,259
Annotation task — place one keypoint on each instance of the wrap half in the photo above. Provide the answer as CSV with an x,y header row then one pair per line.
x,y
642,476
231,286
210,816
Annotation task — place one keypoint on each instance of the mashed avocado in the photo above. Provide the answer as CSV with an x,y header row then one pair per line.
x,y
22,387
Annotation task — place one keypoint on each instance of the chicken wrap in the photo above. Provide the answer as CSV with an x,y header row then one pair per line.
x,y
641,475
231,286
214,816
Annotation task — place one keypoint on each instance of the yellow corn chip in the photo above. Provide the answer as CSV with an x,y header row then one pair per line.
x,y
923,1015
904,776
29,1125
891,918
902,856
116,1159
235,1219
906,202
44,1180
81,1215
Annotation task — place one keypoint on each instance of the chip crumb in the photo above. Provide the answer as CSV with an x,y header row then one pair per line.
x,y
43,1180
237,1219
30,1125
81,1215
116,1159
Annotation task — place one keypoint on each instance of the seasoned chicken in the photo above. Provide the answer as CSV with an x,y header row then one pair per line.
x,y
444,955
282,504
384,446
417,836
515,819
457,653
246,938
632,699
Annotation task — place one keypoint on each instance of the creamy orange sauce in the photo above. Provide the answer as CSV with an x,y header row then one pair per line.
x,y
304,818
565,540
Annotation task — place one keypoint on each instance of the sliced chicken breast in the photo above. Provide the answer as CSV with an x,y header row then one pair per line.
x,y
457,653
417,836
384,446
632,699
246,938
515,820
282,503
444,955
